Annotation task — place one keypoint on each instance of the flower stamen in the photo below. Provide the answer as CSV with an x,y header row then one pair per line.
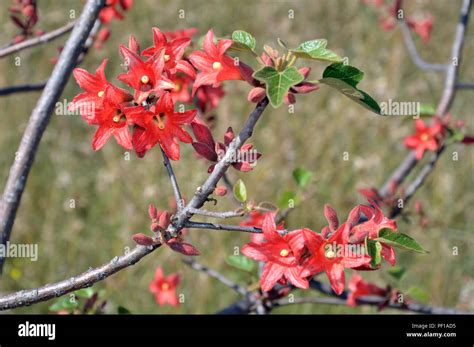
x,y
145,79
284,253
216,65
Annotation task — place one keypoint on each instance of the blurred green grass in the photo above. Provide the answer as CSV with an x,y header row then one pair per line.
x,y
112,194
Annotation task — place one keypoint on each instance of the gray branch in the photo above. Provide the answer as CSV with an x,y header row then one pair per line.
x,y
223,215
174,182
10,49
40,118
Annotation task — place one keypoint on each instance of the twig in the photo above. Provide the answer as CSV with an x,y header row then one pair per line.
x,y
449,90
37,40
174,182
225,227
28,297
29,87
415,56
216,275
86,279
461,85
40,117
32,87
227,214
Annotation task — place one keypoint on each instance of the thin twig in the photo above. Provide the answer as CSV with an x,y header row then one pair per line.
x,y
223,215
40,117
174,182
224,227
461,85
29,297
415,56
216,275
37,40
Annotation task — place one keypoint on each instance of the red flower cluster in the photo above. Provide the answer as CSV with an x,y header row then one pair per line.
x,y
112,9
297,255
207,148
24,14
426,138
359,288
160,76
164,288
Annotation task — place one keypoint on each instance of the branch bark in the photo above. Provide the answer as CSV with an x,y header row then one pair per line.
x,y
37,40
40,117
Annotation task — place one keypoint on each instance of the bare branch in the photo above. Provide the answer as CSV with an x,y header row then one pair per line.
x,y
227,214
10,49
86,279
461,85
225,227
22,88
216,275
40,117
174,182
415,56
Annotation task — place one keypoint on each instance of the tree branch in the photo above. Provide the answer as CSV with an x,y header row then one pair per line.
x,y
216,275
10,49
225,227
22,88
29,297
449,90
223,215
174,182
40,117
415,56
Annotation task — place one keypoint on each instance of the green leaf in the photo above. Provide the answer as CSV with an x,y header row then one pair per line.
x,y
315,49
397,272
243,41
240,191
345,78
64,303
302,176
278,82
418,294
288,200
240,262
84,293
399,240
123,310
427,110
374,249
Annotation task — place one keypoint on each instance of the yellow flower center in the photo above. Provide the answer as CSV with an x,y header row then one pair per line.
x,y
116,119
284,253
177,87
100,94
145,79
159,120
167,57
424,137
165,286
216,65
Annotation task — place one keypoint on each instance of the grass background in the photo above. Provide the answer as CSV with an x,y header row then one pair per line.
x,y
112,194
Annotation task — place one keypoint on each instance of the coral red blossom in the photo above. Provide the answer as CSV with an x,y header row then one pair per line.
x,y
426,138
164,288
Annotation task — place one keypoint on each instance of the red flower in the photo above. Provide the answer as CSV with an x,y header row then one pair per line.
x,y
181,91
331,256
281,255
160,124
212,151
208,97
358,288
94,87
170,35
214,64
425,138
423,28
174,52
255,219
145,76
370,228
112,120
164,288
111,10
